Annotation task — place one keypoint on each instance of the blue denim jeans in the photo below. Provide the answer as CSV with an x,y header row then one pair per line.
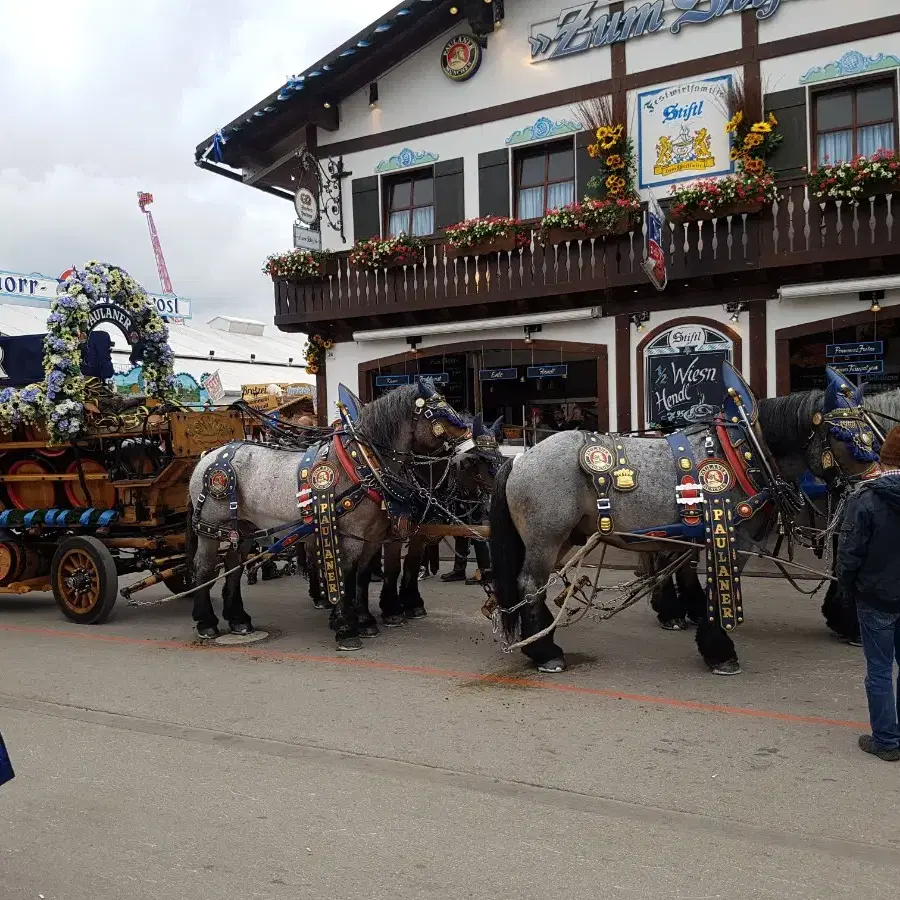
x,y
881,644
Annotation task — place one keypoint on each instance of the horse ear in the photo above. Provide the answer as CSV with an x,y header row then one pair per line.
x,y
497,428
426,388
477,425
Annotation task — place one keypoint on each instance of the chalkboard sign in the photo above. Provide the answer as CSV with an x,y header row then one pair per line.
x,y
683,376
391,381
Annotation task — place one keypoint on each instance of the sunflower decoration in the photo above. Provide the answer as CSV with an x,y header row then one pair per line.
x,y
752,142
754,166
615,155
734,122
754,139
615,184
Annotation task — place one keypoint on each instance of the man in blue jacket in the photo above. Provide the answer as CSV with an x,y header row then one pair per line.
x,y
868,566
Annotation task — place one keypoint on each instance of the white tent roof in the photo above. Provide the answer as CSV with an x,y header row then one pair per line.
x,y
192,345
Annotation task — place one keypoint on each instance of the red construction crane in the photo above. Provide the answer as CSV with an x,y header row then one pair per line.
x,y
144,200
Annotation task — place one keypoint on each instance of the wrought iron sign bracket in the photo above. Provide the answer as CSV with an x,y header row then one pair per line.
x,y
330,180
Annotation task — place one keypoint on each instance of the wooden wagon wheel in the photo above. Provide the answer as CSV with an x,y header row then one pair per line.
x,y
85,581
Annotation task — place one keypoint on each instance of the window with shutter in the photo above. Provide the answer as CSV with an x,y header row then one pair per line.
x,y
366,208
545,178
854,120
493,183
789,107
409,204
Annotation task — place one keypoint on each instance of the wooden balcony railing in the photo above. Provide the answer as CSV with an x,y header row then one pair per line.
x,y
797,230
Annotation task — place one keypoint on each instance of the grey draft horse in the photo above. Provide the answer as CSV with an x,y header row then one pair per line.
x,y
409,429
545,504
466,496
683,598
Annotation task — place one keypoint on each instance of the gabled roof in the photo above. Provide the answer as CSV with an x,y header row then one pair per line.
x,y
255,134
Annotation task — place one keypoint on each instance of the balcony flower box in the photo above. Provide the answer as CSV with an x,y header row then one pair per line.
x,y
590,219
301,265
479,237
858,180
732,195
387,253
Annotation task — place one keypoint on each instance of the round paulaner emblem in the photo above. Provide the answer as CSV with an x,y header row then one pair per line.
x,y
323,476
461,57
218,484
715,476
597,458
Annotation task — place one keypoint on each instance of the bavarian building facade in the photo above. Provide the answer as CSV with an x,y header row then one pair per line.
x,y
735,116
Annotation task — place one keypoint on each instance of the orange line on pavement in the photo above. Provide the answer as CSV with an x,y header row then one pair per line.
x,y
511,680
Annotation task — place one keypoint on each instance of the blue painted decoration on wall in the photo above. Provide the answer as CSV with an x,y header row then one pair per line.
x,y
851,63
543,129
405,159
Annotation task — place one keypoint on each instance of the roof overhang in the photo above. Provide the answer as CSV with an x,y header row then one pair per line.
x,y
259,147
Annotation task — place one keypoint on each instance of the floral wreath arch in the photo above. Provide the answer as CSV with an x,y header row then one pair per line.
x,y
98,293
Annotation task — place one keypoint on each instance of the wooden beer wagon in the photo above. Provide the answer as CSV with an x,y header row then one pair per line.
x,y
73,518
112,500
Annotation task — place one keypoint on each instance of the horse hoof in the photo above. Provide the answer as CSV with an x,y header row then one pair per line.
x,y
349,644
393,621
552,666
732,667
207,632
674,625
321,604
369,631
417,612
241,628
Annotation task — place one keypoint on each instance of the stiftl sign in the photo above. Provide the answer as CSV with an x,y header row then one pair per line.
x,y
584,26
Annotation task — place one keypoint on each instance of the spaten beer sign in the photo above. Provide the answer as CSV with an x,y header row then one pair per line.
x,y
585,26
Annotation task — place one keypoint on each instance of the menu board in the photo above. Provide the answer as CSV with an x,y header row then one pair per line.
x,y
683,376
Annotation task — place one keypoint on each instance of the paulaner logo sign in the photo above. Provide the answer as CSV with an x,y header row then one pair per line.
x,y
584,26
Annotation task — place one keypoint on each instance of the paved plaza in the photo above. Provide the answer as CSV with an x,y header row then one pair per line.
x,y
431,764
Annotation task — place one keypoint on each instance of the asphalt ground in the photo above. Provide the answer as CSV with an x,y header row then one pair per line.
x,y
431,764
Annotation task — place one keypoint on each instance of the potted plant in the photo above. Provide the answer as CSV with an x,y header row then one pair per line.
x,y
492,234
387,253
862,177
301,265
591,219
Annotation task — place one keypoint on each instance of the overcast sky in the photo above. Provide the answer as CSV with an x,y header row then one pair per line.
x,y
103,98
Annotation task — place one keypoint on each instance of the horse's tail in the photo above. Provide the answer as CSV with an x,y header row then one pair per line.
x,y
507,552
190,544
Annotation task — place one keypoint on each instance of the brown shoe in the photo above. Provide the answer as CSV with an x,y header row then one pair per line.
x,y
888,754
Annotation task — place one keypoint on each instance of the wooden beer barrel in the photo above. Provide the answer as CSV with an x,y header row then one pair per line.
x,y
11,561
31,494
103,494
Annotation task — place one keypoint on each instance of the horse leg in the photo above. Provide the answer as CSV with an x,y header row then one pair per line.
x,y
410,598
839,610
368,627
664,599
391,607
544,653
691,592
232,603
205,564
344,618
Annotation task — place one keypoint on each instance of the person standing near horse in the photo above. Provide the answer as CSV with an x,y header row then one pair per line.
x,y
868,567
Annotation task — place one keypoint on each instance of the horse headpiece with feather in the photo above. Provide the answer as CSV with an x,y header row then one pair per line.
x,y
842,412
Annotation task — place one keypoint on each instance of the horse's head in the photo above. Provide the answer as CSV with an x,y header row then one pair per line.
x,y
842,442
438,429
478,467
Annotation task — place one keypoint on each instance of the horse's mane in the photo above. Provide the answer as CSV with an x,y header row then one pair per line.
x,y
786,422
887,402
381,420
